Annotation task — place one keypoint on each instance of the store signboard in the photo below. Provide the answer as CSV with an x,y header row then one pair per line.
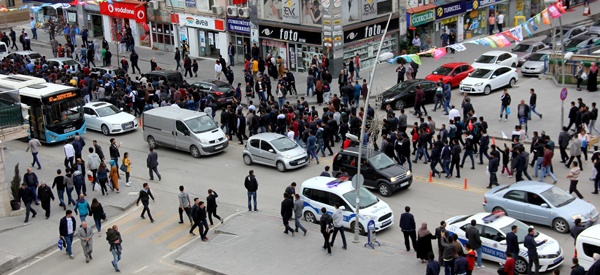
x,y
290,35
238,25
202,22
370,30
291,11
136,11
190,3
368,9
421,18
475,4
449,10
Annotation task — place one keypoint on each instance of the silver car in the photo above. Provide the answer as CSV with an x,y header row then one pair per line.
x,y
535,63
274,150
541,203
526,48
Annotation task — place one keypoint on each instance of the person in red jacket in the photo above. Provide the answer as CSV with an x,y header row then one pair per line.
x,y
471,255
509,265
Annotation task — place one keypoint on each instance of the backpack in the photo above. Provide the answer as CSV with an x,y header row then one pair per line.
x,y
452,132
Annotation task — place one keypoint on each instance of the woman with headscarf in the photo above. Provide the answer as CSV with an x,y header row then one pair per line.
x,y
592,83
424,243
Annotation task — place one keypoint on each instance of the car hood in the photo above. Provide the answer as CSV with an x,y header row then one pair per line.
x,y
550,247
578,206
472,81
521,54
436,77
121,117
214,134
379,209
392,94
393,171
533,64
294,153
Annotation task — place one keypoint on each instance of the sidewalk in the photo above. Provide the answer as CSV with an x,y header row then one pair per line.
x,y
254,240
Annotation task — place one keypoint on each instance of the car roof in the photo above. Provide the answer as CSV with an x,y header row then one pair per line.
x,y
354,151
163,72
591,232
455,64
530,42
494,53
534,186
267,136
584,37
25,52
571,26
60,59
176,113
496,220
95,105
329,184
492,67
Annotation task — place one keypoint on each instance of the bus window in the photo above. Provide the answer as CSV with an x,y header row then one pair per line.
x,y
64,110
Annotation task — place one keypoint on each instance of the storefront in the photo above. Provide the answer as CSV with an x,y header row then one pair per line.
x,y
206,35
162,31
94,20
116,17
239,33
421,23
363,39
447,18
295,46
478,11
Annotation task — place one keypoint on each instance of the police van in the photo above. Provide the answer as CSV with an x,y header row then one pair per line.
x,y
321,192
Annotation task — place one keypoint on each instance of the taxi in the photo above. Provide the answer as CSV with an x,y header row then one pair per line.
x,y
492,231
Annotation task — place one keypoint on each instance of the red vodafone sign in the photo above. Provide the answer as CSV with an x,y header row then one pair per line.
x,y
136,11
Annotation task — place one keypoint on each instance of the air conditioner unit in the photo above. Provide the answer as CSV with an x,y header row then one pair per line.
x,y
217,9
244,12
232,11
153,5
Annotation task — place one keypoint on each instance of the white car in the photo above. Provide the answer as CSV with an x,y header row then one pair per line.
x,y
60,62
105,117
484,80
492,231
503,58
535,63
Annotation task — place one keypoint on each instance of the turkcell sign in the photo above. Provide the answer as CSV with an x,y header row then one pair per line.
x,y
450,10
421,18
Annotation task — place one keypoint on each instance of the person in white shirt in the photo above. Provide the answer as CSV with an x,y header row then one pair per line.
x,y
453,113
500,21
338,225
218,70
417,41
69,155
290,134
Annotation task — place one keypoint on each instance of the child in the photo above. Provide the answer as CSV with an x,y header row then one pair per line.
x,y
506,160
127,164
471,254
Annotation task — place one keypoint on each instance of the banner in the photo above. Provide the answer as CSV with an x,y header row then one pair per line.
x,y
503,39
135,11
438,53
291,11
554,13
546,17
458,47
526,29
509,34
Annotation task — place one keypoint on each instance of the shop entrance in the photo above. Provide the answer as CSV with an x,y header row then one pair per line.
x,y
208,42
238,42
95,25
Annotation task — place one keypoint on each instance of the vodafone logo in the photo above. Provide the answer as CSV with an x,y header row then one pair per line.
x,y
111,8
141,14
124,10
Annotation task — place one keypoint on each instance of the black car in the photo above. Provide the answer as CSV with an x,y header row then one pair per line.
x,y
402,95
379,170
219,91
174,77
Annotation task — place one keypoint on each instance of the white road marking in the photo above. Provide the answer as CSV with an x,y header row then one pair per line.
x,y
139,270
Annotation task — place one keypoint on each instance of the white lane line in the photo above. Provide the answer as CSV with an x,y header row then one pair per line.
x,y
140,270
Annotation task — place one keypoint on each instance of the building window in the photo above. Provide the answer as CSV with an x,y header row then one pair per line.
x,y
384,7
10,3
162,33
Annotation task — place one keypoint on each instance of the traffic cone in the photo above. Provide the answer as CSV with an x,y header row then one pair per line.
x,y
465,186
494,141
430,176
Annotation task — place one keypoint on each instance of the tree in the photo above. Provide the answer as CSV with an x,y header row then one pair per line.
x,y
15,184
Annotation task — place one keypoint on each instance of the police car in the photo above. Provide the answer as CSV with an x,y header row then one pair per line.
x,y
493,229
321,192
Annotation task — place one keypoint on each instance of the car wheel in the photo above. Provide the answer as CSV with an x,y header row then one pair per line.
x,y
310,217
512,83
105,130
497,209
195,151
560,225
514,65
521,265
487,90
247,160
361,229
280,166
384,189
151,142
399,104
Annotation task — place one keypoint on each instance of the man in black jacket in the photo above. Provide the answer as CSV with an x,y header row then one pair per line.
x,y
200,219
572,115
251,185
211,205
177,58
114,150
455,152
27,196
493,169
144,196
512,241
408,227
31,180
45,195
287,208
66,230
326,229
474,240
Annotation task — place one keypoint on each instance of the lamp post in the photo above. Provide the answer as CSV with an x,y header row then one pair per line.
x,y
362,134
563,61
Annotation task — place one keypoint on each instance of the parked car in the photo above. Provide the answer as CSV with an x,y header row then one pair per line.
x,y
60,62
492,232
108,119
502,58
174,77
569,32
31,55
379,171
595,28
112,71
526,48
452,73
540,203
535,63
582,43
275,150
402,94
219,91
487,79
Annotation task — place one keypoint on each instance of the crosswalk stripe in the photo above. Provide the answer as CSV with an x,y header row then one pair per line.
x,y
168,235
179,241
125,220
141,223
158,226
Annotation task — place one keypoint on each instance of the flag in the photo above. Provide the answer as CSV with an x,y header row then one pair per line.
x,y
517,32
490,42
503,39
482,42
476,42
439,53
496,40
458,47
546,17
560,7
415,58
509,34
538,18
526,28
532,23
504,135
554,11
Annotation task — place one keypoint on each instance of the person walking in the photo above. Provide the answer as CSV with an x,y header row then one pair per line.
x,y
82,207
287,208
127,165
504,105
408,227
338,225
144,196
576,230
474,240
177,58
93,165
69,154
512,242
433,267
86,237
98,214
493,165
59,182
45,195
184,204
114,175
152,164
134,58
201,216
66,230
547,164
211,206
27,196
575,151
102,177
251,185
70,186
32,146
113,236
298,207
532,103
573,176
424,247
531,245
31,179
326,223
449,252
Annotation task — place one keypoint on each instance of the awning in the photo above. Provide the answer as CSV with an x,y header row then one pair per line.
x,y
412,10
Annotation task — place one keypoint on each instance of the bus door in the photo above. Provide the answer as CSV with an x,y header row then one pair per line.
x,y
37,123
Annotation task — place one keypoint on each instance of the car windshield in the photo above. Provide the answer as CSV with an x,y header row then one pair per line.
x,y
283,144
70,62
201,124
442,70
381,161
537,57
574,43
481,73
400,86
521,48
521,231
366,198
488,59
224,88
35,56
107,111
557,32
557,197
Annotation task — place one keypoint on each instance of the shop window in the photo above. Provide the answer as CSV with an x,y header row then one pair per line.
x,y
162,33
384,7
10,3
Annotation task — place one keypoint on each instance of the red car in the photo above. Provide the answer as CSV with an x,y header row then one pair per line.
x,y
452,73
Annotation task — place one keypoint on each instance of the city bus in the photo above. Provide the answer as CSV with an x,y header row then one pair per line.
x,y
54,110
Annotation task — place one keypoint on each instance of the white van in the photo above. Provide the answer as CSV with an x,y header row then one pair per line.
x,y
321,192
185,130
588,243
3,50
